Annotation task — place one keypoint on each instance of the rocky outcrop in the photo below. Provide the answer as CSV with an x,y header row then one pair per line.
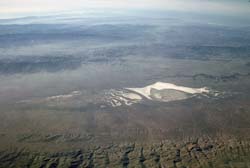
x,y
190,154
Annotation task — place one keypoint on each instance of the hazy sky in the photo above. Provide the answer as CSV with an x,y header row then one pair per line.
x,y
226,7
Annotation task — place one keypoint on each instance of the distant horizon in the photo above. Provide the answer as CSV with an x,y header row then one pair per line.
x,y
24,8
92,14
